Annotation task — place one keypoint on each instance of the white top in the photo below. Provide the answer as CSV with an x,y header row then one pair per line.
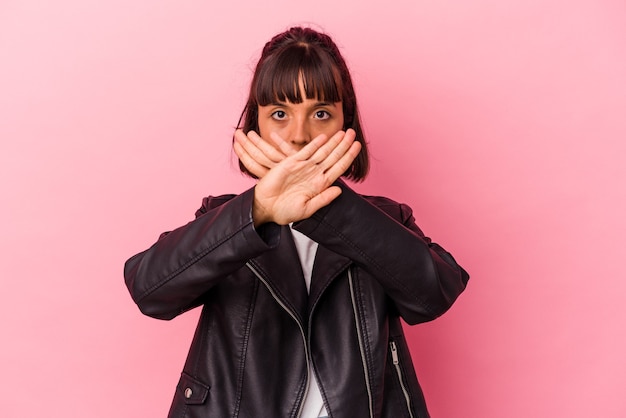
x,y
313,403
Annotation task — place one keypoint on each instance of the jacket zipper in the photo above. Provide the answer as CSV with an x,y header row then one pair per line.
x,y
361,346
293,315
396,362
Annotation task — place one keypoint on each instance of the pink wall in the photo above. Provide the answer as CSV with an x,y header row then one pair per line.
x,y
502,123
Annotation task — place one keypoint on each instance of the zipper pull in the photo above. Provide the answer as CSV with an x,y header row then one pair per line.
x,y
394,352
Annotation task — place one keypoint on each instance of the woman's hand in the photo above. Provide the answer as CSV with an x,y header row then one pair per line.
x,y
257,155
297,186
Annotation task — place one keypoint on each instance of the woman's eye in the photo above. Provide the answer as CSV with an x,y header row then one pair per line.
x,y
322,114
279,115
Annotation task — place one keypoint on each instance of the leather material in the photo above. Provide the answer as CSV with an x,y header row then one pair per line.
x,y
259,328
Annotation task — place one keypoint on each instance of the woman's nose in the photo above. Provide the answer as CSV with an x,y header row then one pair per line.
x,y
300,135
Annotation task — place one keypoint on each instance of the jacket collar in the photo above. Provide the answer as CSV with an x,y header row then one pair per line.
x,y
282,273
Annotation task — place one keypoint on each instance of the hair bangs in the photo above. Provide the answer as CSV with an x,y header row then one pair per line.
x,y
279,79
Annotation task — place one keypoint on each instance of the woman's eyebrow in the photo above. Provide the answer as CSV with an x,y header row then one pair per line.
x,y
325,104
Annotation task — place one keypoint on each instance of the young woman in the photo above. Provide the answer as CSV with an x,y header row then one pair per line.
x,y
303,282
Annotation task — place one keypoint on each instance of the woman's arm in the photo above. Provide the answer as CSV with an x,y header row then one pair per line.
x,y
172,276
380,235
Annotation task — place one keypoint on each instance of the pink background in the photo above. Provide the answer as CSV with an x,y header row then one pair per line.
x,y
502,123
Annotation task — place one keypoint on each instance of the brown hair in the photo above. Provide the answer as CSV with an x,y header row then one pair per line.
x,y
303,53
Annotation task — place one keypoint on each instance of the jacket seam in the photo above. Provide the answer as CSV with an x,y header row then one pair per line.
x,y
185,266
323,392
365,332
364,346
299,398
244,349
202,342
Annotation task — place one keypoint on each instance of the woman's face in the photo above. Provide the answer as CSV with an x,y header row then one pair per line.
x,y
299,123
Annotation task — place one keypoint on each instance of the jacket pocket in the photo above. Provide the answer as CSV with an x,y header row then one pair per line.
x,y
191,390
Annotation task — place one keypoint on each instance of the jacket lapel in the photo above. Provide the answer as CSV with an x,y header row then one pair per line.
x,y
327,266
282,272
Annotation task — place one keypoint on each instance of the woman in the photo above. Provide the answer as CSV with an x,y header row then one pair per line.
x,y
302,282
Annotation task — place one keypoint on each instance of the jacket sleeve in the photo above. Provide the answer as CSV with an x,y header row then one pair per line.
x,y
420,277
174,274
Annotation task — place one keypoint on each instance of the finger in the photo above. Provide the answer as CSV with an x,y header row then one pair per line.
x,y
325,149
253,150
250,163
343,164
268,149
283,145
321,200
312,147
334,150
257,149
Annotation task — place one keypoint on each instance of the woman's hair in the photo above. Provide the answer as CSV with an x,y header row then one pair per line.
x,y
303,53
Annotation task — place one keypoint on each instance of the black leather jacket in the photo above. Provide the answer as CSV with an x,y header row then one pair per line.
x,y
259,330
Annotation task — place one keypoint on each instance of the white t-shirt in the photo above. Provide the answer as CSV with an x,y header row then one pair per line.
x,y
313,403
